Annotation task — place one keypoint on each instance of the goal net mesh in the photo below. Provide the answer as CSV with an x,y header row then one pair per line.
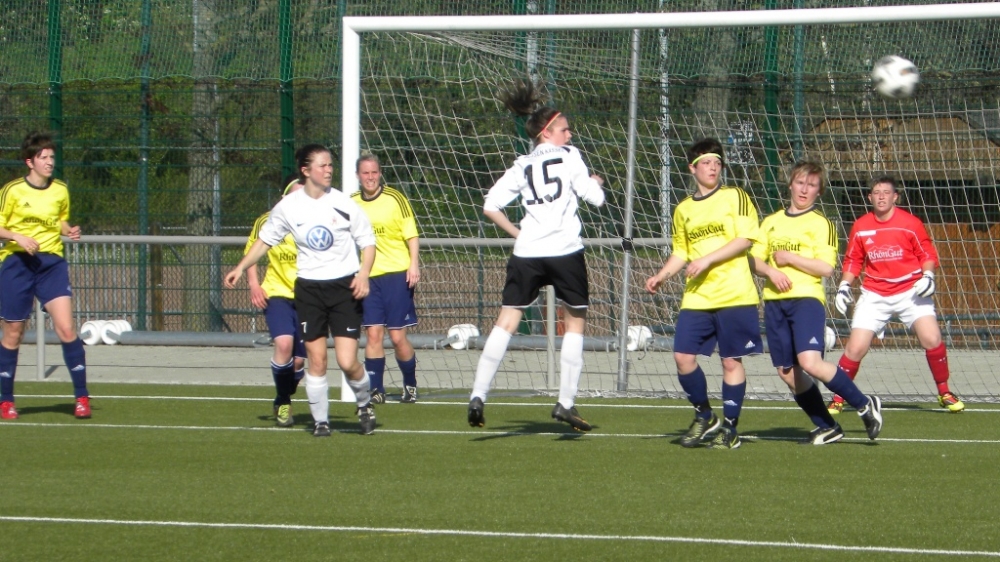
x,y
773,96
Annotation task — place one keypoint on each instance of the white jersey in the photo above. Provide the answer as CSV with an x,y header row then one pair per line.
x,y
549,181
328,232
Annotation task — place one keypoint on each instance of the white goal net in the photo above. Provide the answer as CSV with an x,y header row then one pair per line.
x,y
775,87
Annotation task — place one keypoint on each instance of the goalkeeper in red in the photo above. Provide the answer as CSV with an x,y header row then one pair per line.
x,y
897,256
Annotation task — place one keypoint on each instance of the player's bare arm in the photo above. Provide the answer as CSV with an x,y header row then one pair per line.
x,y
673,266
28,243
257,295
413,273
73,232
253,255
733,248
773,274
813,266
359,286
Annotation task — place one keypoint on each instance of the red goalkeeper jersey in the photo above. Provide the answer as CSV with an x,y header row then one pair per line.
x,y
892,253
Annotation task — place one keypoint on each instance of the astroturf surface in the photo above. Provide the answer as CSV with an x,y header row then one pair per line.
x,y
201,473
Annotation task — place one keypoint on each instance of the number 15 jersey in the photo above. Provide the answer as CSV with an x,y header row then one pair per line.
x,y
549,180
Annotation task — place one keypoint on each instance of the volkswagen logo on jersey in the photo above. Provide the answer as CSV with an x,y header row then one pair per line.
x,y
319,238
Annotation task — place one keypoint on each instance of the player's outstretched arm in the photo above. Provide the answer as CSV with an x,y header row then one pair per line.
x,y
672,267
253,255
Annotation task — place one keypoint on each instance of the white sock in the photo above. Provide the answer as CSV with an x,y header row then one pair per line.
x,y
317,389
362,390
571,365
489,362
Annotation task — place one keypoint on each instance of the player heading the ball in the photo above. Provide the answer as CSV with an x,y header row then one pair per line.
x,y
548,250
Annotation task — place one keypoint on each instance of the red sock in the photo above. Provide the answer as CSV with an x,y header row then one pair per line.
x,y
850,367
937,360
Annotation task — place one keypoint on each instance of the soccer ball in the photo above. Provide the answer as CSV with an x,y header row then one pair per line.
x,y
830,338
895,77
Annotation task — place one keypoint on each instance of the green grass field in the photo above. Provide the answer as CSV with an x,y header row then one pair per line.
x,y
200,473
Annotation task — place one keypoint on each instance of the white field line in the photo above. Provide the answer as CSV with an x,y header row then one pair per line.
x,y
491,403
502,534
467,433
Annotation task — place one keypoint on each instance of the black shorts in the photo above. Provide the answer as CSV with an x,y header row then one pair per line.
x,y
327,307
567,274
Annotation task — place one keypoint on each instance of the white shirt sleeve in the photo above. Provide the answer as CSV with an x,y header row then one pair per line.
x,y
507,188
361,227
586,187
276,227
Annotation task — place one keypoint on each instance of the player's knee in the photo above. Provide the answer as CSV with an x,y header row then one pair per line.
x,y
13,333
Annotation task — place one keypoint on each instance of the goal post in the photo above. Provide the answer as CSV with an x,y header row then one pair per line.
x,y
774,86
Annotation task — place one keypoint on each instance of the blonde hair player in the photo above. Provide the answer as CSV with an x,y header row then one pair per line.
x,y
389,306
795,251
548,249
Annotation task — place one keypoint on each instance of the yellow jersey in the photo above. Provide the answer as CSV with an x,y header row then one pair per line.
x,y
393,222
282,268
809,234
36,212
703,224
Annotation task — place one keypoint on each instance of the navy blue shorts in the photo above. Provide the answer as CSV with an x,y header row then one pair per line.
x,y
389,302
735,329
24,277
282,320
793,326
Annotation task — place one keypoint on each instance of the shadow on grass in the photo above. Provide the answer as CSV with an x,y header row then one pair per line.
x,y
523,428
67,408
800,436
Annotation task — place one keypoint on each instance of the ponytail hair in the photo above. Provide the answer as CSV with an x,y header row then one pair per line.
x,y
524,98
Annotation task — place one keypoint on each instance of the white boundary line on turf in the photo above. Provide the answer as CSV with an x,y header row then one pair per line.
x,y
501,534
478,433
493,403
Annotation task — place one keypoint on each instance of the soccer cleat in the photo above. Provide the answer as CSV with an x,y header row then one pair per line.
x,y
825,435
726,438
8,411
321,429
570,416
872,416
951,402
476,417
82,408
835,407
283,416
366,415
378,397
409,395
700,429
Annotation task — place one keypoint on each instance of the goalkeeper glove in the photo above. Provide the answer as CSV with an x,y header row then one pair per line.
x,y
844,297
925,285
